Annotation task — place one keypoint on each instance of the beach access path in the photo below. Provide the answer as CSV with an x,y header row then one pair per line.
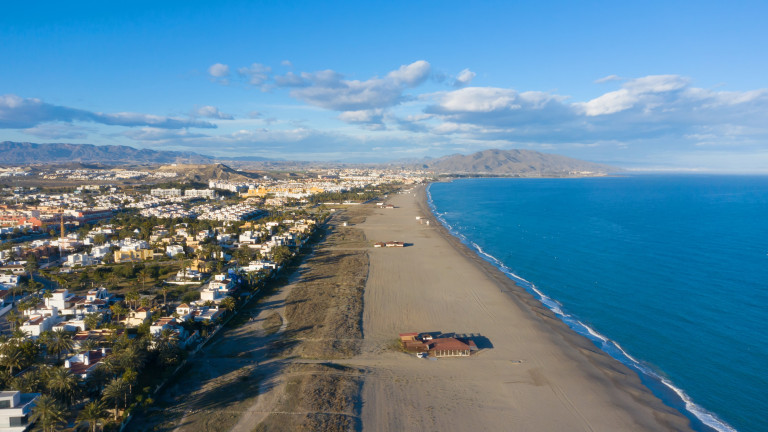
x,y
532,372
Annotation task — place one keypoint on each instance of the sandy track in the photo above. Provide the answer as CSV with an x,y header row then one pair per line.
x,y
534,373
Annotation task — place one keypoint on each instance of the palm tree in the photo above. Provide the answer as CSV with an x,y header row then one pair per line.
x,y
19,334
133,296
228,304
143,276
88,345
14,318
130,376
60,341
118,309
64,384
117,391
132,357
48,413
47,294
13,357
92,320
92,414
97,379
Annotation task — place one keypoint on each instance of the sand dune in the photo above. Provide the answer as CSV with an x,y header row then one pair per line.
x,y
534,374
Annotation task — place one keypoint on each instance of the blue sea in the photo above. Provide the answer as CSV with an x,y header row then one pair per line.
x,y
668,274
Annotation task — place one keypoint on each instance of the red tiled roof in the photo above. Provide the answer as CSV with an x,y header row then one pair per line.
x,y
447,344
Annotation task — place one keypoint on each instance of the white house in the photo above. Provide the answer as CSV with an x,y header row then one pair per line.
x,y
173,250
249,237
14,410
84,363
81,259
9,280
37,324
260,265
100,252
212,294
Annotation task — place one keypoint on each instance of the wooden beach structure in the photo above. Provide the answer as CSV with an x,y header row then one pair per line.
x,y
437,347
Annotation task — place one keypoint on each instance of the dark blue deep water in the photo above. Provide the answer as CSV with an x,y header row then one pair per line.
x,y
669,274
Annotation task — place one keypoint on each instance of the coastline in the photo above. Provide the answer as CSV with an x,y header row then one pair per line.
x,y
533,371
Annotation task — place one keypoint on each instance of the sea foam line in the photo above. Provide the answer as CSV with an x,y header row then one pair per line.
x,y
608,346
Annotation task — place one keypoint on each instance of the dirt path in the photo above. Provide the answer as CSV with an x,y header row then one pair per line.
x,y
221,386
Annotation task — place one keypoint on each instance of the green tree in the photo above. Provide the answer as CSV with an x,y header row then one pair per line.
x,y
228,304
92,414
118,310
142,277
130,376
281,254
60,342
63,384
14,319
92,320
13,357
97,379
48,413
133,296
117,392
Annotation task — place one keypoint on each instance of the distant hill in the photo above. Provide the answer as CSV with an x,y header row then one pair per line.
x,y
205,172
31,153
525,163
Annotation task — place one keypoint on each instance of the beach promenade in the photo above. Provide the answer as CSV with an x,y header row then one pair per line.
x,y
532,372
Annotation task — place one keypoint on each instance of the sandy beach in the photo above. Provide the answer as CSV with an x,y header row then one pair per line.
x,y
532,374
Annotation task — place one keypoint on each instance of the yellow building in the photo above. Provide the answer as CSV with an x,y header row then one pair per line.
x,y
122,256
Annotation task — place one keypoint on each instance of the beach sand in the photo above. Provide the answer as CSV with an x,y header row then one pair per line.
x,y
532,374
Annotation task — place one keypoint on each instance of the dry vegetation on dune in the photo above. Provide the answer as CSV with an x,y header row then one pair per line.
x,y
324,314
325,307
317,397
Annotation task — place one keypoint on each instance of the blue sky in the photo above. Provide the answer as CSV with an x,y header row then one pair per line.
x,y
653,85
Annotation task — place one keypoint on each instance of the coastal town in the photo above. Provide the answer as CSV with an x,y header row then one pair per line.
x,y
107,289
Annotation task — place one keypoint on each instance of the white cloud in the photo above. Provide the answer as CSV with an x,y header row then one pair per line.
x,y
218,70
18,113
157,134
645,115
464,78
257,73
479,99
648,91
58,131
209,111
328,89
410,75
372,119
608,78
290,80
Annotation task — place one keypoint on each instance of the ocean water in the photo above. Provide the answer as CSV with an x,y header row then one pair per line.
x,y
668,274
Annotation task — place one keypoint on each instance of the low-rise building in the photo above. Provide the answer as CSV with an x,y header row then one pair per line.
x,y
15,407
173,250
84,363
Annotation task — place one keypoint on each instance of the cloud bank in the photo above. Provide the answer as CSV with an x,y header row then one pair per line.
x,y
18,113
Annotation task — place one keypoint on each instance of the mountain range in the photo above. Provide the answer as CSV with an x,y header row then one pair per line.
x,y
511,162
14,153
525,163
